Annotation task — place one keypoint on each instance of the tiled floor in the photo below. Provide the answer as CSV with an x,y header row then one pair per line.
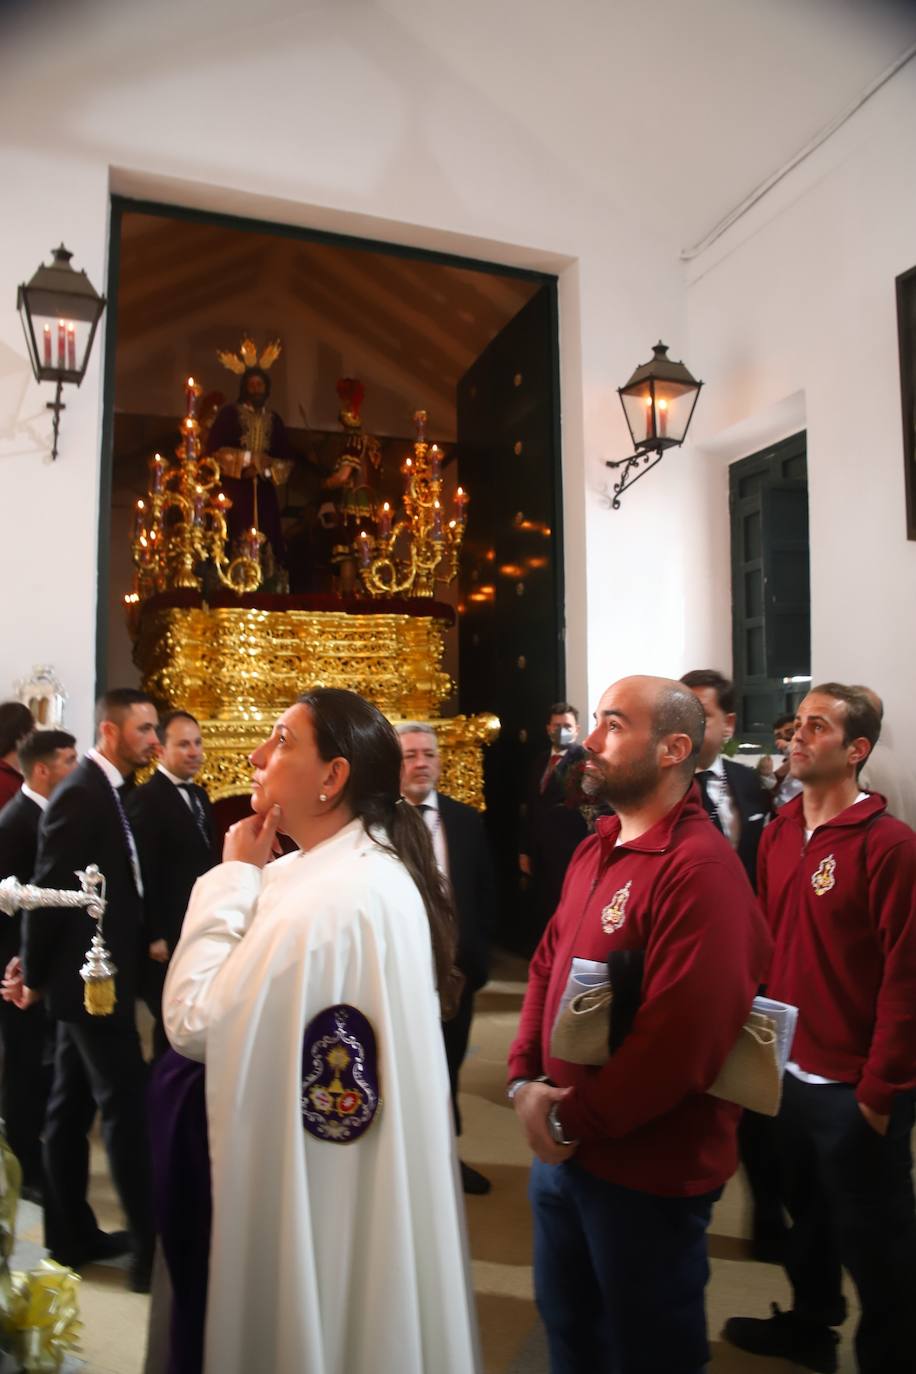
x,y
499,1228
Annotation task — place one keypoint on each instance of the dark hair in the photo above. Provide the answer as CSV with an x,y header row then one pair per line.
x,y
861,720
246,375
165,721
40,745
348,727
780,721
679,713
16,720
116,703
563,708
723,687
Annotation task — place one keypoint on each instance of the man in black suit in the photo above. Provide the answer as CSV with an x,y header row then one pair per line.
x,y
98,1060
45,758
736,800
461,852
739,805
552,825
172,821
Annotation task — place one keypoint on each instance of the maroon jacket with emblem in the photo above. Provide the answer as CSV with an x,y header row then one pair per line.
x,y
644,1119
842,909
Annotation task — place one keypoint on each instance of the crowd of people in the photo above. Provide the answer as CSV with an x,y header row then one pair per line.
x,y
330,992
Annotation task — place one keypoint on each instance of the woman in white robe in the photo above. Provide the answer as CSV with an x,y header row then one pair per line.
x,y
331,1253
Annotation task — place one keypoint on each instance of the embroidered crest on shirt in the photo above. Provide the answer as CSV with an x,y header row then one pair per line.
x,y
340,1097
824,876
615,913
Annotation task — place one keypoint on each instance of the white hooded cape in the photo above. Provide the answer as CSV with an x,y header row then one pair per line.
x,y
326,1258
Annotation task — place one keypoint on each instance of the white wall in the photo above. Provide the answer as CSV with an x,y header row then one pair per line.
x,y
792,317
327,123
378,120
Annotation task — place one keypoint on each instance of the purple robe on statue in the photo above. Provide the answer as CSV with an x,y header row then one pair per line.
x,y
182,1201
263,434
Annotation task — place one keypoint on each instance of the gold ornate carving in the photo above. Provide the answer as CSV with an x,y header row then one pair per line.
x,y
236,669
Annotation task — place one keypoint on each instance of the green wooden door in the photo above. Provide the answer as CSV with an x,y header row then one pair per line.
x,y
771,599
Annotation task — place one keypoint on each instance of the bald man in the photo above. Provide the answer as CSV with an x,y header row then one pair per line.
x,y
631,1156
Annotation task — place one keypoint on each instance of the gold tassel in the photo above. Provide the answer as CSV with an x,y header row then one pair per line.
x,y
98,975
99,997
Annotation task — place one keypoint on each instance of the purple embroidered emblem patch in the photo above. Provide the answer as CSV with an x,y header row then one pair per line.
x,y
340,1090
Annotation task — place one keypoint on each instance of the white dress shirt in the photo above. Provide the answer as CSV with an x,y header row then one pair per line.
x,y
116,779
181,784
40,801
720,795
433,821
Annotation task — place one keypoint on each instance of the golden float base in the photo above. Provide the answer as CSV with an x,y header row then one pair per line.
x,y
237,667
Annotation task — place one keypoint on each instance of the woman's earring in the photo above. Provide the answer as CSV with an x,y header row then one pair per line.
x,y
322,796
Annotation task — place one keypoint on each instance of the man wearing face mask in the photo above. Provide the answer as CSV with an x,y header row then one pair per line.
x,y
552,824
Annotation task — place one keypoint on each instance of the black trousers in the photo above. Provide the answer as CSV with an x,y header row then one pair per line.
x,y
758,1151
27,1073
849,1192
154,982
96,1066
456,1034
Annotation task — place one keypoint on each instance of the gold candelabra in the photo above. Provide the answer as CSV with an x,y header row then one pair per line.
x,y
181,524
407,556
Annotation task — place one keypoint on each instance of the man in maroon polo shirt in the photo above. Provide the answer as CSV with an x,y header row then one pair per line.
x,y
632,1155
15,723
837,880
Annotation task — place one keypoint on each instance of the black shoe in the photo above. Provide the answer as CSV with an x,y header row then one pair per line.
x,y
107,1245
140,1277
787,1337
472,1181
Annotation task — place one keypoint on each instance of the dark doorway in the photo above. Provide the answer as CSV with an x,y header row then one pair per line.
x,y
474,343
511,623
771,597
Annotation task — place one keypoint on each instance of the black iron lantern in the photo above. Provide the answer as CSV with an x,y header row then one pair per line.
x,y
60,310
658,402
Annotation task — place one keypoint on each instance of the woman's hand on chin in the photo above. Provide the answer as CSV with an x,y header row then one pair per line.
x,y
253,840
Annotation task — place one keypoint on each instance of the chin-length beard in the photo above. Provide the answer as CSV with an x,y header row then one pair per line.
x,y
624,786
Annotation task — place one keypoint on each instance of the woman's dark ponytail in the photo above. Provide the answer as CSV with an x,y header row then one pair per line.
x,y
347,726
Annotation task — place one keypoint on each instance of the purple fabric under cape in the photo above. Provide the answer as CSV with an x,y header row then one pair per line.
x,y
182,1199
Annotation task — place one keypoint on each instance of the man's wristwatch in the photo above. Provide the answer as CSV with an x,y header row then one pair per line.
x,y
555,1127
515,1085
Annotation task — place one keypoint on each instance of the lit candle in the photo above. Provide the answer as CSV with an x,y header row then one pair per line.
x,y
384,520
435,455
139,517
71,346
157,468
61,343
363,549
198,505
650,418
254,544
437,520
47,334
461,500
662,419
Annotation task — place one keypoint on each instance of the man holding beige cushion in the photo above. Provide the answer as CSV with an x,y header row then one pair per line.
x,y
632,1155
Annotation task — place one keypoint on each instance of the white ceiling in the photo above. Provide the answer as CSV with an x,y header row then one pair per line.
x,y
674,110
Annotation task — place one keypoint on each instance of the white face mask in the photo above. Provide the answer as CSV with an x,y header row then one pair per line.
x,y
563,736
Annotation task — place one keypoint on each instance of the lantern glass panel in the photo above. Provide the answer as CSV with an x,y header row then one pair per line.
x,y
60,343
658,410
